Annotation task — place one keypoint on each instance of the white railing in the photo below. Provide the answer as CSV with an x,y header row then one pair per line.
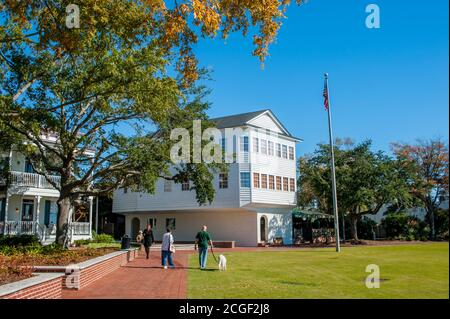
x,y
41,231
18,228
80,228
32,180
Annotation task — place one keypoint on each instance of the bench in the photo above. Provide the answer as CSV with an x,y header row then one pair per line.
x,y
224,243
277,241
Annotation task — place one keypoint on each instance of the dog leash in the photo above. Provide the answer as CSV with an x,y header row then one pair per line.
x,y
212,252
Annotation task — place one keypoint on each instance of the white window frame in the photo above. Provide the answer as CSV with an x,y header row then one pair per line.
x,y
255,145
270,148
263,146
223,180
284,151
167,185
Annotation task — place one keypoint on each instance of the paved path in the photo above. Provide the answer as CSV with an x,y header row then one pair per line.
x,y
139,279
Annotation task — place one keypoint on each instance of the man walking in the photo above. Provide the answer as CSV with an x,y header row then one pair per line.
x,y
148,239
202,240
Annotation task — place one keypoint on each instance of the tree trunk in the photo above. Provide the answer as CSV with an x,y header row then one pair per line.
x,y
62,226
430,209
354,227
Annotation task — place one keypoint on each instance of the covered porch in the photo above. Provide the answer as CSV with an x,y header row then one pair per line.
x,y
36,214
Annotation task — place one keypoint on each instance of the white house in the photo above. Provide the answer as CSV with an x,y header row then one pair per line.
x,y
253,201
28,202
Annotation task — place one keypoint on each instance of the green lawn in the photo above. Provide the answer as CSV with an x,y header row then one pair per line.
x,y
407,271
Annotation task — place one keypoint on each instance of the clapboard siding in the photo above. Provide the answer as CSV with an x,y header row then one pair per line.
x,y
234,196
272,165
178,199
265,121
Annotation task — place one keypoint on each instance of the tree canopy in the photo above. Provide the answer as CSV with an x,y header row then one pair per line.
x,y
427,163
365,180
108,88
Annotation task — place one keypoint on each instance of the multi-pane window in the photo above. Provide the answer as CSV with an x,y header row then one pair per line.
x,y
170,223
271,182
285,184
284,151
278,149
264,181
278,183
255,145
245,179
28,166
223,180
151,222
270,148
223,143
185,186
244,143
167,185
291,153
292,184
27,210
263,147
256,180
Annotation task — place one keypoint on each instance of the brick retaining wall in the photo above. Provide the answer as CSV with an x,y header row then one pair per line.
x,y
40,286
48,281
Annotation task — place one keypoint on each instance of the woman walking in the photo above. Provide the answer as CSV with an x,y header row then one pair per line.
x,y
148,239
167,249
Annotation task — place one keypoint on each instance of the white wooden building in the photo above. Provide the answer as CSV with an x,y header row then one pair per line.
x,y
28,202
253,201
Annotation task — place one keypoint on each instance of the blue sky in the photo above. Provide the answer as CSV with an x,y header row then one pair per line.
x,y
388,84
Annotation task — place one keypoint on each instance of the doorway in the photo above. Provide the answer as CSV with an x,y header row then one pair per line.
x,y
135,227
263,229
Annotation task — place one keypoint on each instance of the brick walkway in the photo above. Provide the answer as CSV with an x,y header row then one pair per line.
x,y
140,279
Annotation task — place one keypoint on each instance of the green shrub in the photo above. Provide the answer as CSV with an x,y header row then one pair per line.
x,y
103,238
82,242
16,241
96,238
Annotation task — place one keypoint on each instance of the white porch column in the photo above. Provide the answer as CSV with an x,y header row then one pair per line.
x,y
37,200
96,214
91,200
6,211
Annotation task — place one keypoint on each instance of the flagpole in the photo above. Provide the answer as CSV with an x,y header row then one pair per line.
x,y
333,174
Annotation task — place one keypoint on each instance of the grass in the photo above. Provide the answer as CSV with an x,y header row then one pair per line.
x,y
407,271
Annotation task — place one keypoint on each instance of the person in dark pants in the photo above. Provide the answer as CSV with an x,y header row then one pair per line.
x,y
148,239
202,240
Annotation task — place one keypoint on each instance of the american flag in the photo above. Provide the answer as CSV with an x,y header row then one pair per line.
x,y
325,95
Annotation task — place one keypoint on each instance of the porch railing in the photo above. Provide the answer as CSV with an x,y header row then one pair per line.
x,y
80,228
41,231
17,228
32,180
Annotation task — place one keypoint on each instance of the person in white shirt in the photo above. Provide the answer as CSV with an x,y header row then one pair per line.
x,y
167,249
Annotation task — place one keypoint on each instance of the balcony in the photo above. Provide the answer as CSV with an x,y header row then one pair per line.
x,y
31,180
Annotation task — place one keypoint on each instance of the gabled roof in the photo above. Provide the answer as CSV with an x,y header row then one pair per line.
x,y
244,119
236,120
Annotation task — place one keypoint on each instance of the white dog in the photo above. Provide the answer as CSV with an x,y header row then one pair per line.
x,y
222,263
